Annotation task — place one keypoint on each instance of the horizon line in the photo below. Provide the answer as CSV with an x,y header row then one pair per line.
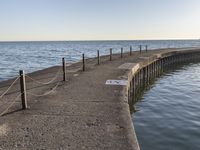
x,y
168,39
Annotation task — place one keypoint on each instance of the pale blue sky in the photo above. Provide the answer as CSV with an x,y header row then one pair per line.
x,y
99,19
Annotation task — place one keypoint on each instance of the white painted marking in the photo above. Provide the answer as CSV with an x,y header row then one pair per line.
x,y
116,82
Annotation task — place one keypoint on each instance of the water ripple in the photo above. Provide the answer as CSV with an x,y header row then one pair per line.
x,y
32,56
169,119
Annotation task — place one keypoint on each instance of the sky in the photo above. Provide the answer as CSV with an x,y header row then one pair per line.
x,y
49,20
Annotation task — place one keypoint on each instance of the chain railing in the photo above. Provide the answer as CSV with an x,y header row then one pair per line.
x,y
46,93
7,90
24,92
48,82
111,53
63,70
10,105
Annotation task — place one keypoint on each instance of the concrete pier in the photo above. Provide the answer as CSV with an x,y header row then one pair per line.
x,y
90,110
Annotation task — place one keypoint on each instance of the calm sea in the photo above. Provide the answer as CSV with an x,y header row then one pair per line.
x,y
169,113
32,56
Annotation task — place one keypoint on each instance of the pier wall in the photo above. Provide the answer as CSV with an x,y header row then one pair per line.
x,y
142,74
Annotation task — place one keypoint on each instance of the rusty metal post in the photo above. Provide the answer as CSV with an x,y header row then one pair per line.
x,y
121,52
140,49
83,60
64,69
111,54
98,57
23,89
130,50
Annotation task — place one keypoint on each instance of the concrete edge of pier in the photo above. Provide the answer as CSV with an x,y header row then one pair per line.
x,y
194,52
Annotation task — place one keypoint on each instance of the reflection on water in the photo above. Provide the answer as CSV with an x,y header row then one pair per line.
x,y
169,113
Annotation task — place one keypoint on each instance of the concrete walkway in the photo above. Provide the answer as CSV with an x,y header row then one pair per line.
x,y
82,113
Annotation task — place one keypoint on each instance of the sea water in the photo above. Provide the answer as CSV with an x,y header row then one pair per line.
x,y
32,56
169,113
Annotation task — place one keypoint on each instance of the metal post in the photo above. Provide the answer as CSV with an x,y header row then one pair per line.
x,y
98,57
121,52
23,89
146,48
111,54
64,69
130,50
140,48
83,62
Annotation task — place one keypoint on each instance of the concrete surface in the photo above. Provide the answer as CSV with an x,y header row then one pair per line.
x,y
82,113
